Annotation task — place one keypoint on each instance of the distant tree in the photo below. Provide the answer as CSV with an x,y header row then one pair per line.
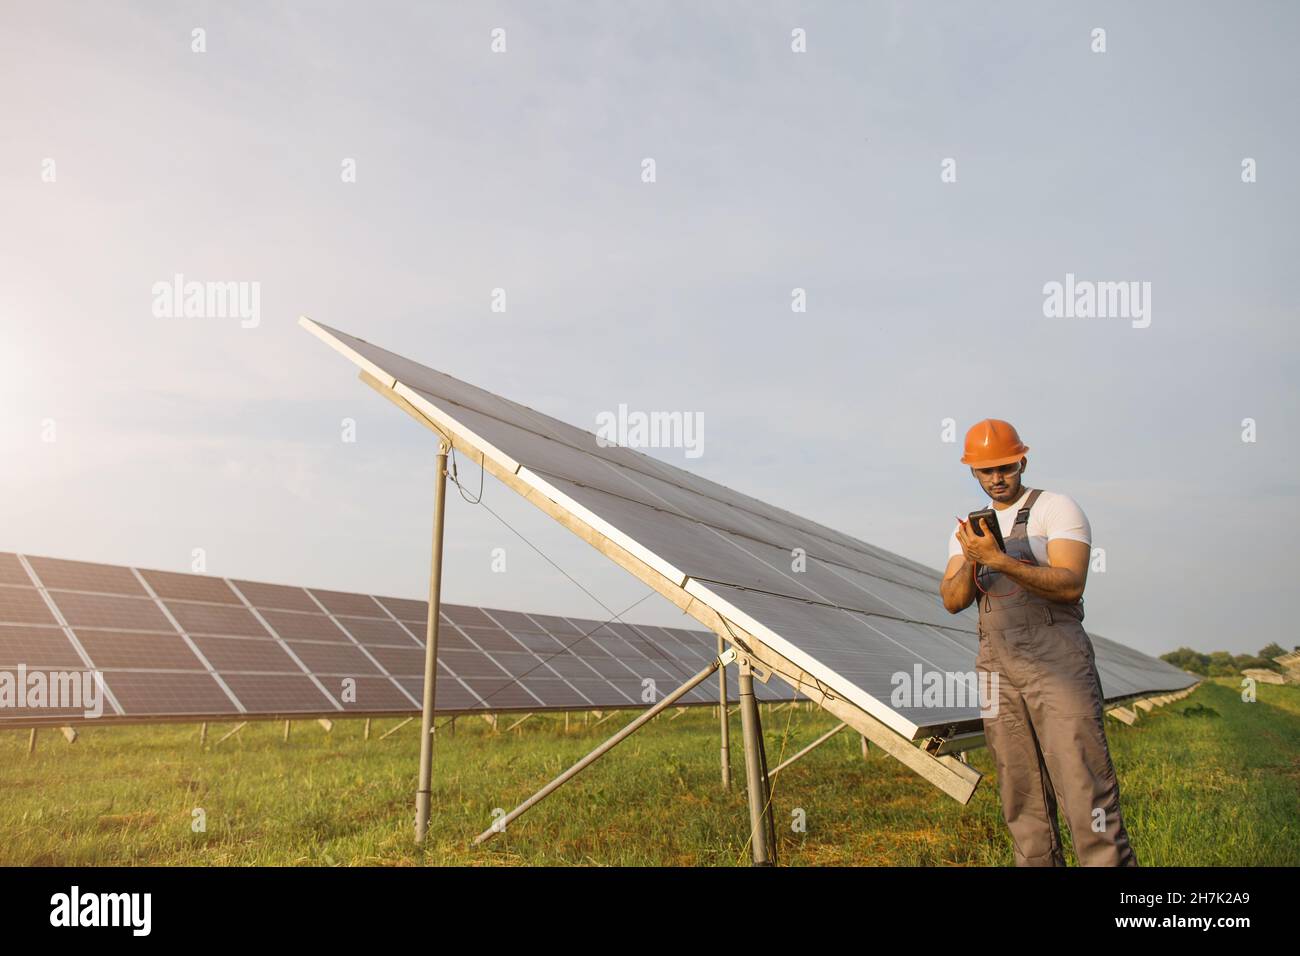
x,y
1222,664
1189,660
1271,650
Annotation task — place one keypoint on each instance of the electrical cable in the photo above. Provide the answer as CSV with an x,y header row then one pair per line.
x,y
565,648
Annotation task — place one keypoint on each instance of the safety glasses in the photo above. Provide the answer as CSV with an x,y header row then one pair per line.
x,y
1006,471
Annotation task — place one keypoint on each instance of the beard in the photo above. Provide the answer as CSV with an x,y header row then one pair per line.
x,y
1012,492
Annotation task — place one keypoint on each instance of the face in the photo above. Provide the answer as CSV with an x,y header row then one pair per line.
x,y
1001,483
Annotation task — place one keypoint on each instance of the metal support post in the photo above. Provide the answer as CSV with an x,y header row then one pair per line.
x,y
431,650
760,801
724,724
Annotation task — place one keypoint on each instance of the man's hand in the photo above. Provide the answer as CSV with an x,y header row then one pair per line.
x,y
980,549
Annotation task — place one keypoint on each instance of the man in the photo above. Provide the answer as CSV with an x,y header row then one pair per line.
x,y
1046,735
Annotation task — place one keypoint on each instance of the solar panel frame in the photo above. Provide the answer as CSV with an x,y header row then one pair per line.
x,y
620,495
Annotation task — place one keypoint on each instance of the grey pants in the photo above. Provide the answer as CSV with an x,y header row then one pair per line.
x,y
1048,743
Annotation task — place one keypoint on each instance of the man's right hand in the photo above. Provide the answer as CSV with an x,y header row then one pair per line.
x,y
958,586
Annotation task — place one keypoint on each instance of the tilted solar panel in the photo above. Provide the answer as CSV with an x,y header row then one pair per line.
x,y
177,646
851,621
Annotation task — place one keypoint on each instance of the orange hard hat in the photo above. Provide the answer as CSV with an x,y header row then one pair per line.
x,y
993,442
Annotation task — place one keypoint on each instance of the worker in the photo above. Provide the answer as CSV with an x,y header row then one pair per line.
x,y
1045,728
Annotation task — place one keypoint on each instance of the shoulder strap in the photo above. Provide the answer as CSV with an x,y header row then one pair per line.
x,y
1022,516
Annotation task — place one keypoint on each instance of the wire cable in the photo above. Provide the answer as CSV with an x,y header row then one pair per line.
x,y
564,648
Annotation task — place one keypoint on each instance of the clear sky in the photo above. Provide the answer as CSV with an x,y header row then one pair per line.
x,y
775,170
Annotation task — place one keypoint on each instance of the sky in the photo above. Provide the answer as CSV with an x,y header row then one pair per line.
x,y
128,156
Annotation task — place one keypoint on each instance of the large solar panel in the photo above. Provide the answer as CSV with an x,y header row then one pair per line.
x,y
853,619
184,646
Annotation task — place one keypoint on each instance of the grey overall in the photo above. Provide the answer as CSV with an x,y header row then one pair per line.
x,y
1047,736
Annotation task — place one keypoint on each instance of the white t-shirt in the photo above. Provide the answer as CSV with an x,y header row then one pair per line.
x,y
1053,516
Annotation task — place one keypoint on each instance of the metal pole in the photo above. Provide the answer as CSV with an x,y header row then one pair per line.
x,y
649,715
31,742
367,731
755,774
724,725
809,749
286,731
203,734
431,650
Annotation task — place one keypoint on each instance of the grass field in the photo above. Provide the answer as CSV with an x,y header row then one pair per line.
x,y
1208,780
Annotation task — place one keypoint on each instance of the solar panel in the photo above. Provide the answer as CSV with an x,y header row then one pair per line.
x,y
851,621
175,646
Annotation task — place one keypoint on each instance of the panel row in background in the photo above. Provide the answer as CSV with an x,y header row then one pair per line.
x,y
187,646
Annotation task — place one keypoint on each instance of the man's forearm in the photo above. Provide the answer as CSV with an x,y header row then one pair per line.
x,y
1055,584
958,591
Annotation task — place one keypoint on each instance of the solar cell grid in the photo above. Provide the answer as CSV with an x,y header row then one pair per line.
x,y
555,692
516,663
177,694
85,576
12,570
278,693
215,619
508,659
133,650
19,605
335,659
490,639
467,664
452,695
369,630
599,692
37,647
449,639
571,666
513,621
245,654
502,693
406,610
467,616
404,661
190,587
277,597
291,625
538,643
110,612
606,666
355,605
374,694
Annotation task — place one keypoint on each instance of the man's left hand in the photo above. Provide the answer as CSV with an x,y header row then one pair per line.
x,y
980,549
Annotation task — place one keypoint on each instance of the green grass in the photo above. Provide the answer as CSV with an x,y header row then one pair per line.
x,y
1197,789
